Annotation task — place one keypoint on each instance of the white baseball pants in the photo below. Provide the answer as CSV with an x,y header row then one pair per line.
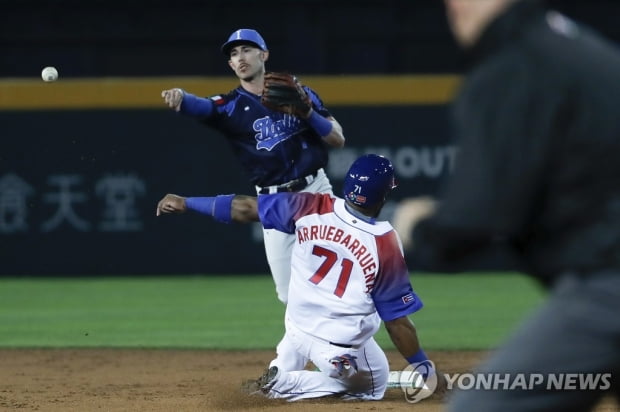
x,y
296,348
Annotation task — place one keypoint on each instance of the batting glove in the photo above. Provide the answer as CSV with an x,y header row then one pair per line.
x,y
173,98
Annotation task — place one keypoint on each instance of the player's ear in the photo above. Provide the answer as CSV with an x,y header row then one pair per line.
x,y
264,55
230,63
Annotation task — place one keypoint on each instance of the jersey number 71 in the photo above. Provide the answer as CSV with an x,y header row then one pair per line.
x,y
331,258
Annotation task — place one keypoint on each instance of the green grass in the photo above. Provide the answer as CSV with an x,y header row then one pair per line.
x,y
469,311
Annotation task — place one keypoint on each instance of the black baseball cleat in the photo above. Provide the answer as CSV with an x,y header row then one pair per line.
x,y
263,384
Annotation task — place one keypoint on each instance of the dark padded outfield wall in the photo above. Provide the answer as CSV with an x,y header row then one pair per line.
x,y
78,189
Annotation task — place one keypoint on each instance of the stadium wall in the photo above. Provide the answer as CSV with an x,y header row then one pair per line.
x,y
84,162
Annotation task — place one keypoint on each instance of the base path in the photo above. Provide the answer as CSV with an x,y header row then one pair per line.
x,y
112,380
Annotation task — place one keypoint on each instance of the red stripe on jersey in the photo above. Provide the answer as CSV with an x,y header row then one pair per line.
x,y
320,203
393,271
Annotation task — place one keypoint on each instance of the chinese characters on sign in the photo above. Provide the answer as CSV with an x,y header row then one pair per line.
x,y
64,194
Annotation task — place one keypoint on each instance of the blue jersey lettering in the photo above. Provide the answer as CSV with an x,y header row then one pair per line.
x,y
271,132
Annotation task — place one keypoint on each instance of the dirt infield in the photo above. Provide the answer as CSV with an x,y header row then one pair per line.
x,y
172,380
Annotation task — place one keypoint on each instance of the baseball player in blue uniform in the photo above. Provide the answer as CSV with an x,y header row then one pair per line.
x,y
348,275
281,152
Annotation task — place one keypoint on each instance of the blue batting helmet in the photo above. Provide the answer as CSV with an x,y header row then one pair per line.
x,y
369,180
244,36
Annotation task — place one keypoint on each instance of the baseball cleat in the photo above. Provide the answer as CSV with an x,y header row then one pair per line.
x,y
263,384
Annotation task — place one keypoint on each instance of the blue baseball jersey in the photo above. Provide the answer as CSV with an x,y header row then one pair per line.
x,y
348,273
273,147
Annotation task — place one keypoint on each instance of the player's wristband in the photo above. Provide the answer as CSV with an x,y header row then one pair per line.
x,y
219,207
417,357
196,106
320,124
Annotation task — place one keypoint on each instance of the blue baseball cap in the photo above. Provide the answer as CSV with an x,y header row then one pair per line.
x,y
244,36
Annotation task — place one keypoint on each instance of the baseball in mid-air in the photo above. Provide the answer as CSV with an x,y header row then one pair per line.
x,y
49,74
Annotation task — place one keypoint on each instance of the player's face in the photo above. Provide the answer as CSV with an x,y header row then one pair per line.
x,y
247,61
468,18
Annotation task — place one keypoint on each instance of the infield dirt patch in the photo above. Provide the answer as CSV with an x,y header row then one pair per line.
x,y
53,380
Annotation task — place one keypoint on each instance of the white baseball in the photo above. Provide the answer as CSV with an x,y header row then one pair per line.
x,y
49,74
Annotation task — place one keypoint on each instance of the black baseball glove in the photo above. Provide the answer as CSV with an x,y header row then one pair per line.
x,y
283,92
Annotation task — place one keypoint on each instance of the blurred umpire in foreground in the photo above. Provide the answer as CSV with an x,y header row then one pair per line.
x,y
537,121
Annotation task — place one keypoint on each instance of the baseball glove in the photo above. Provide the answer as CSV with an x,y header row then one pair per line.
x,y
282,92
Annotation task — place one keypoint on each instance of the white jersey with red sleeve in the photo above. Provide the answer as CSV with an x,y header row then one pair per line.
x,y
348,271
